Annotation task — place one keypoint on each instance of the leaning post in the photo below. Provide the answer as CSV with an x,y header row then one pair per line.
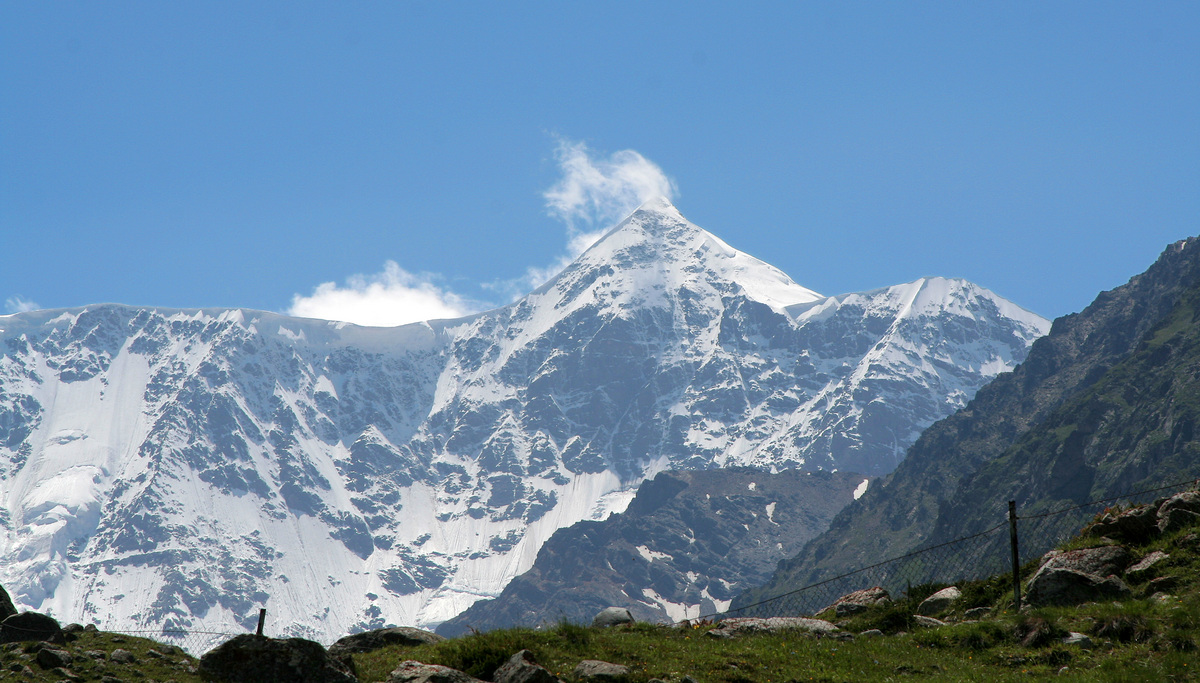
x,y
1016,557
262,619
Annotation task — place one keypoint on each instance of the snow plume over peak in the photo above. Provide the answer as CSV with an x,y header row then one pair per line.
x,y
392,297
19,304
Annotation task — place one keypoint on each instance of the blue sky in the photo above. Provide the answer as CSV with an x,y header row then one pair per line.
x,y
243,154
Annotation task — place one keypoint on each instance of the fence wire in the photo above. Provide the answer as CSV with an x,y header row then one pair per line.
x,y
973,557
194,643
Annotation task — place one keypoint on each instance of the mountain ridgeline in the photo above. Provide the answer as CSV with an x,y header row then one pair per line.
x,y
181,468
1105,404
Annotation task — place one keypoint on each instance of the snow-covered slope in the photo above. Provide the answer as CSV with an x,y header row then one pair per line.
x,y
180,468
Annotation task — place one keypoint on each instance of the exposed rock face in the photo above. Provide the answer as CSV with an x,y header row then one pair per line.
x,y
429,462
416,672
859,601
732,628
1098,409
927,622
30,626
373,640
1145,567
1101,561
1060,586
939,602
255,659
596,671
612,616
687,543
521,668
7,609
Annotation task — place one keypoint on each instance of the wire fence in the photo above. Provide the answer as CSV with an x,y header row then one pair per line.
x,y
194,643
978,556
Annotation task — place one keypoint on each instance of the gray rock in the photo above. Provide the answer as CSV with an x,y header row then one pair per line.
x,y
1177,518
416,672
256,659
855,602
1059,586
596,671
51,658
1079,639
1136,524
373,640
1185,500
30,626
731,628
927,622
977,613
1144,568
520,668
1102,561
120,656
939,602
872,632
612,616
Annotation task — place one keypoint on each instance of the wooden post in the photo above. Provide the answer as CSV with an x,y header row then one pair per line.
x,y
262,619
1016,556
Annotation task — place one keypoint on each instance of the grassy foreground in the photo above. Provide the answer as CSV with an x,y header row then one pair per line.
x,y
1150,637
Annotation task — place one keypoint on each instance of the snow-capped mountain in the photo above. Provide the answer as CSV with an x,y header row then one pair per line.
x,y
180,468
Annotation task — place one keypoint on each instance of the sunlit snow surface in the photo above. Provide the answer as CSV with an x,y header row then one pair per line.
x,y
180,469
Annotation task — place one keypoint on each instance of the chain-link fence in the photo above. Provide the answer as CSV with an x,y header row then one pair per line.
x,y
195,643
977,556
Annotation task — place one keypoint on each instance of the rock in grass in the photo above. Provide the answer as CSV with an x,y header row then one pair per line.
x,y
1102,561
1079,639
28,626
51,658
939,602
860,601
927,622
1058,586
416,672
1144,568
521,668
612,616
369,641
740,626
596,671
255,659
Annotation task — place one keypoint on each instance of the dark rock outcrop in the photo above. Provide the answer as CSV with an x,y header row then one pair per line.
x,y
7,608
416,672
859,601
373,640
255,659
521,668
1101,561
30,626
1060,586
596,671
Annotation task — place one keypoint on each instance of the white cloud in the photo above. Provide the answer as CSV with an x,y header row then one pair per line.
x,y
19,304
592,196
393,297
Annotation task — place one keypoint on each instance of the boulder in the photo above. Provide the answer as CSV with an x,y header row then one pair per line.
x,y
30,626
1060,586
416,672
1144,569
977,613
252,658
860,600
1177,518
596,671
730,628
1133,525
612,616
939,602
1078,639
121,656
52,658
1102,561
521,668
1186,500
373,640
927,622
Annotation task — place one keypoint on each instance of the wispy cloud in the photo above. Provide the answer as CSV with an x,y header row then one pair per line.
x,y
392,297
593,194
19,304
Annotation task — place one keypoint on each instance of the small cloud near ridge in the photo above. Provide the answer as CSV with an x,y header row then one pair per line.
x,y
592,195
19,304
392,297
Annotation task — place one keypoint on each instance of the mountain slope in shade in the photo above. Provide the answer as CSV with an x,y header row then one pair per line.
x,y
183,467
1102,405
686,545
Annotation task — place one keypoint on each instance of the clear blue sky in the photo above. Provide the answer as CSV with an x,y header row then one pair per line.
x,y
240,154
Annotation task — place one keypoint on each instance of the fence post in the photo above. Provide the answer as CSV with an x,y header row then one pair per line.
x,y
1016,557
262,618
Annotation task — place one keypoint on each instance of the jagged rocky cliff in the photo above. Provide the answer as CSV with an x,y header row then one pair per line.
x,y
181,468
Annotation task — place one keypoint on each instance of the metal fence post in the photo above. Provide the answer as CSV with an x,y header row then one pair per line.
x,y
1016,557
262,619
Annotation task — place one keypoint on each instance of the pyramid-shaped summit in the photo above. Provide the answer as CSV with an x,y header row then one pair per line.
x,y
425,465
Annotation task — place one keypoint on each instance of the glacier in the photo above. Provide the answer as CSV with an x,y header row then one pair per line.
x,y
179,469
